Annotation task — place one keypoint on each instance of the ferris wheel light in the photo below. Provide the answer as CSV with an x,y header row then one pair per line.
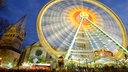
x,y
84,15
109,41
101,54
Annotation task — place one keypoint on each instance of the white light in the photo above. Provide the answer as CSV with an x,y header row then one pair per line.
x,y
44,64
109,40
101,54
0,58
25,64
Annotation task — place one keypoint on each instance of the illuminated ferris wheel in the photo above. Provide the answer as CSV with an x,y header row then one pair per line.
x,y
75,28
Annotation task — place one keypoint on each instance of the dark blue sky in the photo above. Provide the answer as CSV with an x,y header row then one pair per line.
x,y
13,10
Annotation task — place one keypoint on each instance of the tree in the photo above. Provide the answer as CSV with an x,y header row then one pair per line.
x,y
1,2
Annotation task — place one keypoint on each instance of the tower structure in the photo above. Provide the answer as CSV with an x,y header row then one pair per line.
x,y
82,47
14,35
11,41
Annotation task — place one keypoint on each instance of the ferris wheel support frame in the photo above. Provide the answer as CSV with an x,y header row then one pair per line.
x,y
73,41
114,41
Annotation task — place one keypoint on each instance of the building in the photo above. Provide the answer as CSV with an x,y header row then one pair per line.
x,y
33,52
36,53
11,41
81,50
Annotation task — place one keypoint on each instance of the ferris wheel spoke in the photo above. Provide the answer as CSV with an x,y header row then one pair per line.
x,y
66,41
77,5
52,12
60,34
53,28
61,6
52,21
63,35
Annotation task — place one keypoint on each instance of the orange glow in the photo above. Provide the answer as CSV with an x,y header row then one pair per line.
x,y
74,15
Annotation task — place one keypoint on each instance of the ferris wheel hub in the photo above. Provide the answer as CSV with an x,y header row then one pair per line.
x,y
84,15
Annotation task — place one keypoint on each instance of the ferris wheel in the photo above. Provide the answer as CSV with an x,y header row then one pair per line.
x,y
75,28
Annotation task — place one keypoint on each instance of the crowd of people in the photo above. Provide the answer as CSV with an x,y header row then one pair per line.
x,y
25,70
87,69
77,69
119,66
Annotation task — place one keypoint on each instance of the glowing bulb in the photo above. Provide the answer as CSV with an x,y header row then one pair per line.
x,y
84,15
101,54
